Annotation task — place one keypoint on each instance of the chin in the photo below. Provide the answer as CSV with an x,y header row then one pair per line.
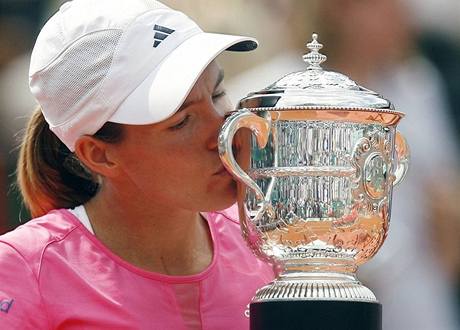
x,y
221,200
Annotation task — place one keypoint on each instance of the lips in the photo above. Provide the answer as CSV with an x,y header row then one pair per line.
x,y
221,170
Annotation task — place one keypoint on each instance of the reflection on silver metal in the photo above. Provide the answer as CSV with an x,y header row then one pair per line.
x,y
314,185
337,171
403,157
315,87
314,58
297,290
260,129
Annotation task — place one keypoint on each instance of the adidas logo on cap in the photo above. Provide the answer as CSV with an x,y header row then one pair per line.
x,y
161,34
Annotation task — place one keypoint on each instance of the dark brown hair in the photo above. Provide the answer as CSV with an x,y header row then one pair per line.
x,y
50,176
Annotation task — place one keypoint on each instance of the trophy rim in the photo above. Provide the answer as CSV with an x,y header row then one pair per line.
x,y
328,113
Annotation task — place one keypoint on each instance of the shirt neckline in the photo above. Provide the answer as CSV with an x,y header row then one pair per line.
x,y
148,274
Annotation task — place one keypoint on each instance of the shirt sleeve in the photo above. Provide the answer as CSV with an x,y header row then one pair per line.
x,y
21,305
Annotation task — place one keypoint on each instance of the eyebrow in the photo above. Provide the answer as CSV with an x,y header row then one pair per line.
x,y
219,80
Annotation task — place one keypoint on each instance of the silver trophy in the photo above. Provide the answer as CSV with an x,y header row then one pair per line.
x,y
316,157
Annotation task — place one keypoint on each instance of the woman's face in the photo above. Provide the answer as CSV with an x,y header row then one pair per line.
x,y
175,163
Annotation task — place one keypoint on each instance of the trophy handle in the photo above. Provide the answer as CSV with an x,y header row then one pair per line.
x,y
402,157
260,127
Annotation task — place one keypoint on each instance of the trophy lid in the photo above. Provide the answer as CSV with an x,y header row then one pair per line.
x,y
316,88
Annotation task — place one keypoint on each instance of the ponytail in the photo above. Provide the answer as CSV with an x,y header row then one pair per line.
x,y
50,176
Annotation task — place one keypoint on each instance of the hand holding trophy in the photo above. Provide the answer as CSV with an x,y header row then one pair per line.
x,y
315,166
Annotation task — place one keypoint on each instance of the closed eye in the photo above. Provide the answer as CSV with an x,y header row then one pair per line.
x,y
218,95
181,124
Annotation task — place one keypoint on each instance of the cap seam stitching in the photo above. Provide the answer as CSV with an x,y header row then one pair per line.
x,y
97,96
98,30
53,60
158,64
116,52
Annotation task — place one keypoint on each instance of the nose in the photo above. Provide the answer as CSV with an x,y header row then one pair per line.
x,y
214,123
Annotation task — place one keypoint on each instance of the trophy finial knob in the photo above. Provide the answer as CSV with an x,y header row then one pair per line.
x,y
314,58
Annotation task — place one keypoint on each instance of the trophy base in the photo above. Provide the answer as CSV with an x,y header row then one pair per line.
x,y
315,286
317,314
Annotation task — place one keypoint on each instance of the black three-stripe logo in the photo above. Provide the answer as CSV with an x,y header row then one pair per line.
x,y
161,33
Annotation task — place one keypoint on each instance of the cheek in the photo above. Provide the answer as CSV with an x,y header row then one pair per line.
x,y
178,173
166,169
181,181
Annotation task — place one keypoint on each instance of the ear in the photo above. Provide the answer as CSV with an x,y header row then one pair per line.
x,y
93,153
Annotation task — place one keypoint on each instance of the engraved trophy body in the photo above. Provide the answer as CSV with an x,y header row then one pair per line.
x,y
316,158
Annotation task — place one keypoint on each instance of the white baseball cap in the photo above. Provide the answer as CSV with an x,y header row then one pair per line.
x,y
123,61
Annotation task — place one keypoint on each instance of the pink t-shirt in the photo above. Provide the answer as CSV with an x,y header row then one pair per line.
x,y
54,274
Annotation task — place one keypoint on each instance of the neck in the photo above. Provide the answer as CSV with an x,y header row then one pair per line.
x,y
155,238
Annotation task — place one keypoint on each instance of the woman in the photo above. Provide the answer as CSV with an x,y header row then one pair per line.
x,y
121,170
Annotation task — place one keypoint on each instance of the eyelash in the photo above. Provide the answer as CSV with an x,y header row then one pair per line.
x,y
187,117
181,124
219,95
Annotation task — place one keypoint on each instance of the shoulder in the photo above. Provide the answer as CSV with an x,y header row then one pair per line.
x,y
21,303
21,253
30,240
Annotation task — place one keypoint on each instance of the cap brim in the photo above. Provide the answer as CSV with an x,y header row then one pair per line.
x,y
165,89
